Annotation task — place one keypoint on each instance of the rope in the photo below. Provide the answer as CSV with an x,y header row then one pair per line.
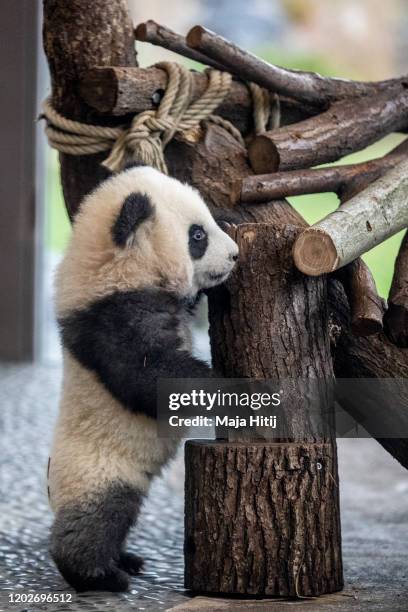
x,y
149,132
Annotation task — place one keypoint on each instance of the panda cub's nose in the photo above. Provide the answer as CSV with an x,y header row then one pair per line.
x,y
233,257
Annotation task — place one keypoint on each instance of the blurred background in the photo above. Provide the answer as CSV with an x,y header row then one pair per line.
x,y
362,39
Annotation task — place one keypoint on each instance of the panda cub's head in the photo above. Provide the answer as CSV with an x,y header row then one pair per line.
x,y
139,229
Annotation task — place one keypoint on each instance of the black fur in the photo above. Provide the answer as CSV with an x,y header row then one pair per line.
x,y
87,539
130,339
136,208
197,247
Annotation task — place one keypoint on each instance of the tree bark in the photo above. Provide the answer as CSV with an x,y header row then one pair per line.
x,y
356,226
160,35
262,519
119,91
308,87
242,495
76,39
373,357
348,126
263,187
396,317
366,306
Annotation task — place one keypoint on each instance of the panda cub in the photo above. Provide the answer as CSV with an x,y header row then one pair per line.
x,y
143,246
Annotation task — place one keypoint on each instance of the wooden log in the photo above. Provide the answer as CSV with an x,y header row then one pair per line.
x,y
201,162
366,306
307,87
372,357
261,519
161,36
120,91
75,40
396,317
348,126
267,513
355,227
263,187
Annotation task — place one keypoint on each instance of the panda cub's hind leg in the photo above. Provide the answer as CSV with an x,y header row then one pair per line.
x,y
88,537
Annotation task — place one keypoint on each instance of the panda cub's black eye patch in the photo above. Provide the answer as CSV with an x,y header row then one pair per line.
x,y
136,208
197,241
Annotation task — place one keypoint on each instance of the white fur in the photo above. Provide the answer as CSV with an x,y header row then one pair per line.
x,y
96,439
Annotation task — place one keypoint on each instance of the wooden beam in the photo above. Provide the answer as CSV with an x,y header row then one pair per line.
x,y
264,187
120,91
161,36
348,126
396,317
76,39
308,87
355,227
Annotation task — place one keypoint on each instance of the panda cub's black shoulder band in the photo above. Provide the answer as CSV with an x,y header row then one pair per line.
x,y
130,340
136,208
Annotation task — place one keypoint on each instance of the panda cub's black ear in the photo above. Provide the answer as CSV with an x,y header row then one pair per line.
x,y
136,208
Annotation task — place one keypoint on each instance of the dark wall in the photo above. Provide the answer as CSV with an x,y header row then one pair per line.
x,y
18,61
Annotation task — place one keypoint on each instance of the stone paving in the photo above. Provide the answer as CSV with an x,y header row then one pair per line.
x,y
374,490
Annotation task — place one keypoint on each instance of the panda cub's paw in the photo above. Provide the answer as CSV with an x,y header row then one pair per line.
x,y
130,563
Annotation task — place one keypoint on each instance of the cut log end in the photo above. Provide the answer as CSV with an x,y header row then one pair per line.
x,y
141,31
263,155
314,253
194,36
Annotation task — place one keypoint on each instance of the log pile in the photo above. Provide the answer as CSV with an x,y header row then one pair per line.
x,y
322,119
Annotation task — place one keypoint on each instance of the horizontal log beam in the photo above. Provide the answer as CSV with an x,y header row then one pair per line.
x,y
355,227
264,187
307,87
396,317
348,126
121,91
161,36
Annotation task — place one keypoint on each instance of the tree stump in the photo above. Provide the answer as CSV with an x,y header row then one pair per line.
x,y
262,517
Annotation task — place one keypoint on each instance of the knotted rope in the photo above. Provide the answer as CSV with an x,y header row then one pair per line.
x,y
150,131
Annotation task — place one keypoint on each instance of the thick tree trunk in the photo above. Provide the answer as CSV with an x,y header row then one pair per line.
x,y
262,519
270,519
77,37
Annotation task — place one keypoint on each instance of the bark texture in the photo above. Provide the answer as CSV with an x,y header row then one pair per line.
x,y
396,317
348,126
119,91
306,86
372,357
160,35
262,519
356,226
78,37
240,497
263,187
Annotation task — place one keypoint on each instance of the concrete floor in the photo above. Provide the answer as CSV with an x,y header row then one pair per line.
x,y
374,494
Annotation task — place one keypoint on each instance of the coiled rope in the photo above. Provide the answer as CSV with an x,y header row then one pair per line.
x,y
149,132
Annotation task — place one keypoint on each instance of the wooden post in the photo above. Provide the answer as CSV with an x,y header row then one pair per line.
x,y
262,518
79,36
362,222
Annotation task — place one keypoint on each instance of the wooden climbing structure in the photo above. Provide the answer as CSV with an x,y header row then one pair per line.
x,y
262,517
